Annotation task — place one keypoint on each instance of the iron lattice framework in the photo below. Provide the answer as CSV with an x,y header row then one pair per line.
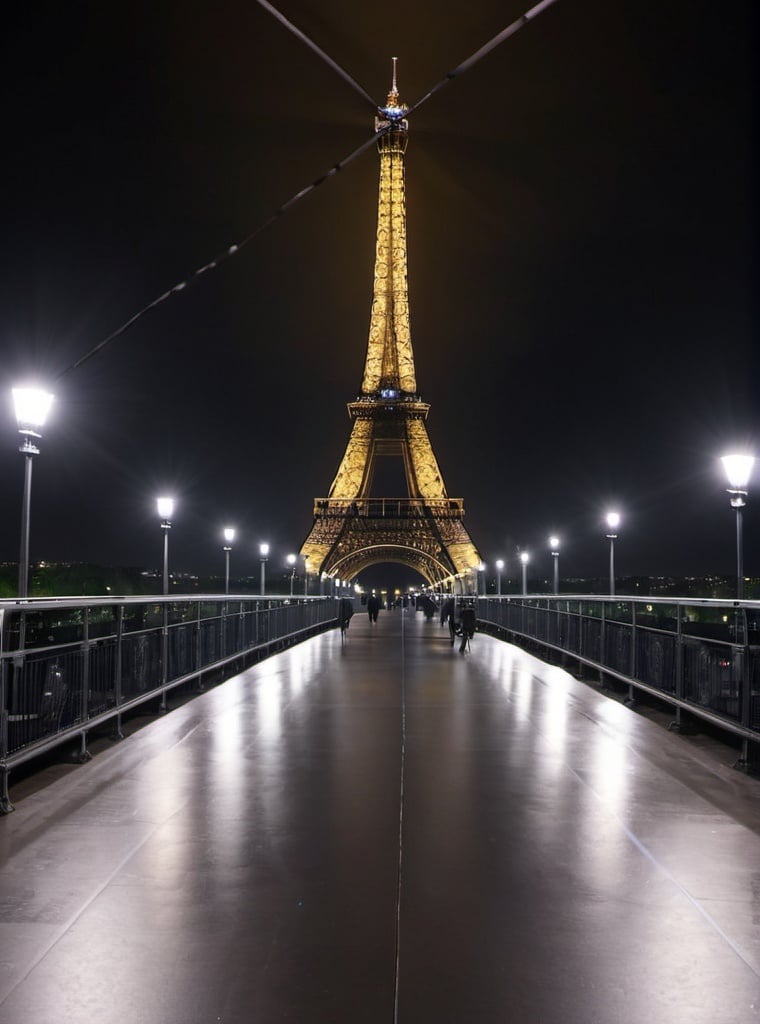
x,y
352,529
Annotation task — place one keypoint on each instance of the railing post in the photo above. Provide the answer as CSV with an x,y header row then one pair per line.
x,y
603,641
5,801
746,685
198,647
163,707
119,668
679,654
84,704
678,725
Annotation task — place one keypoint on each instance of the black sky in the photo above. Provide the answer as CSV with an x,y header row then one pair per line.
x,y
582,259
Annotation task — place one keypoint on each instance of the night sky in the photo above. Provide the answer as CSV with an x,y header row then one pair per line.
x,y
582,253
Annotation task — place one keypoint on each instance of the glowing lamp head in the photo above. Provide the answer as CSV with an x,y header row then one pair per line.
x,y
291,559
738,470
499,564
524,557
481,566
165,507
613,520
229,535
554,543
32,406
263,550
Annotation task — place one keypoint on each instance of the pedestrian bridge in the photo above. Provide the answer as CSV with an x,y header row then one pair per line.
x,y
380,830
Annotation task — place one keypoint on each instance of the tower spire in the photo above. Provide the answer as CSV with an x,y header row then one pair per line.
x,y
390,360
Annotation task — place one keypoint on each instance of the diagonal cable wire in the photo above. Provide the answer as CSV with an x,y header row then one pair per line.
x,y
235,248
230,251
320,53
484,51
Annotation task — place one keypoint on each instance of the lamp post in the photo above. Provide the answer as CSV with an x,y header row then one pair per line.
x,y
481,588
32,406
229,536
554,546
292,564
263,555
305,575
738,470
524,559
165,508
613,521
499,567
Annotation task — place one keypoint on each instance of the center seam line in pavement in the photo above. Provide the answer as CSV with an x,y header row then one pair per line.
x,y
400,819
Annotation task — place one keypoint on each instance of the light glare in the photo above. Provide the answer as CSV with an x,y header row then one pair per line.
x,y
165,507
738,469
32,406
229,534
613,520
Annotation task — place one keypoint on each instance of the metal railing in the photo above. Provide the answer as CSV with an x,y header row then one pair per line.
x,y
701,656
67,666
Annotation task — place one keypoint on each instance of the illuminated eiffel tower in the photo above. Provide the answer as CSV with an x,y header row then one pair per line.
x,y
424,529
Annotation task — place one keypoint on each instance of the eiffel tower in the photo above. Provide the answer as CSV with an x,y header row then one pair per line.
x,y
425,530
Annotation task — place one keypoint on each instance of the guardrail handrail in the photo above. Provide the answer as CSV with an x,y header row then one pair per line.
x,y
707,667
68,664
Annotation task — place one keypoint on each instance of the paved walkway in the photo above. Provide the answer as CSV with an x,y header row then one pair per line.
x,y
562,859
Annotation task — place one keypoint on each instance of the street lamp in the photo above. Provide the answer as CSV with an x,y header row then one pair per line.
x,y
482,578
524,559
738,471
292,564
554,545
263,555
613,521
229,536
499,567
32,406
165,508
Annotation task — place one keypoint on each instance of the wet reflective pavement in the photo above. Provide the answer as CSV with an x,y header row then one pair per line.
x,y
387,831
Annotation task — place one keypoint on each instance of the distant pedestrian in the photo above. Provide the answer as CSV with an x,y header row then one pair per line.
x,y
373,607
345,611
